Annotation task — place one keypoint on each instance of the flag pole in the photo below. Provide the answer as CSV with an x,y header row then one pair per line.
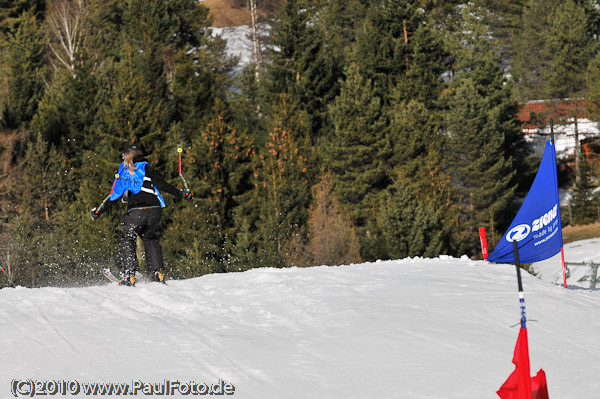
x,y
562,248
520,384
520,282
523,365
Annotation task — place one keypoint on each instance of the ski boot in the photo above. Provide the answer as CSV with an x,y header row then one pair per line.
x,y
158,276
128,278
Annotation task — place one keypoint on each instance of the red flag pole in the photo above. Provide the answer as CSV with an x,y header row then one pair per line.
x,y
484,246
562,250
180,150
564,268
114,183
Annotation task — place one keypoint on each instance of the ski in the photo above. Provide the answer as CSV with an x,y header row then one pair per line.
x,y
138,277
108,274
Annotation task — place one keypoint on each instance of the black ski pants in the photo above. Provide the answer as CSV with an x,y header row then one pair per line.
x,y
143,222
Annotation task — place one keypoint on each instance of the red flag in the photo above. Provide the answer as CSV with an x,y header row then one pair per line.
x,y
483,239
519,384
539,389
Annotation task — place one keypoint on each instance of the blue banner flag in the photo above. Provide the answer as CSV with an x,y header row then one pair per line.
x,y
536,228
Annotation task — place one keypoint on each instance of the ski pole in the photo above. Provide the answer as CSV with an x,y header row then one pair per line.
x,y
179,150
520,284
95,210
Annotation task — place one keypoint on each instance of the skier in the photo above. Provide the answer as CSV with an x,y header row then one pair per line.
x,y
144,212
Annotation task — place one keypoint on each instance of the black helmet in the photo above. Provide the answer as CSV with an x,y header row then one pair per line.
x,y
133,147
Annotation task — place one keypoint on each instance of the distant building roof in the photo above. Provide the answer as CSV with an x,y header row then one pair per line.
x,y
537,114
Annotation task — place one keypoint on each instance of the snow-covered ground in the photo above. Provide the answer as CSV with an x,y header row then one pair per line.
x,y
239,42
412,328
585,251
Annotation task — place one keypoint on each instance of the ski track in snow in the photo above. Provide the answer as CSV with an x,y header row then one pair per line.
x,y
412,328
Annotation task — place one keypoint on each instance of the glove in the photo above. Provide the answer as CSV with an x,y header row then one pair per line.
x,y
95,214
186,195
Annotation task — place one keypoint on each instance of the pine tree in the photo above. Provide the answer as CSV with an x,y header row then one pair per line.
x,y
339,20
11,13
398,47
67,112
417,216
13,145
37,232
45,179
246,106
482,131
23,69
529,58
202,239
284,180
414,221
105,22
502,17
483,177
475,53
19,240
291,36
24,60
359,149
571,48
134,112
592,77
304,66
197,84
414,133
585,202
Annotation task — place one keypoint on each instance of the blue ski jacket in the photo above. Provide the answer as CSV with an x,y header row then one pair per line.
x,y
141,187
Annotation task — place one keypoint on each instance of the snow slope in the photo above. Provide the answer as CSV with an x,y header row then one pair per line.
x,y
412,328
584,251
237,44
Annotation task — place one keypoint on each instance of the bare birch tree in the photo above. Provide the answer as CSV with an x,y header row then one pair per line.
x,y
68,33
255,44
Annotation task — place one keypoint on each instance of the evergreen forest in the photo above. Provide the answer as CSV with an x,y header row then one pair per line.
x,y
371,129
